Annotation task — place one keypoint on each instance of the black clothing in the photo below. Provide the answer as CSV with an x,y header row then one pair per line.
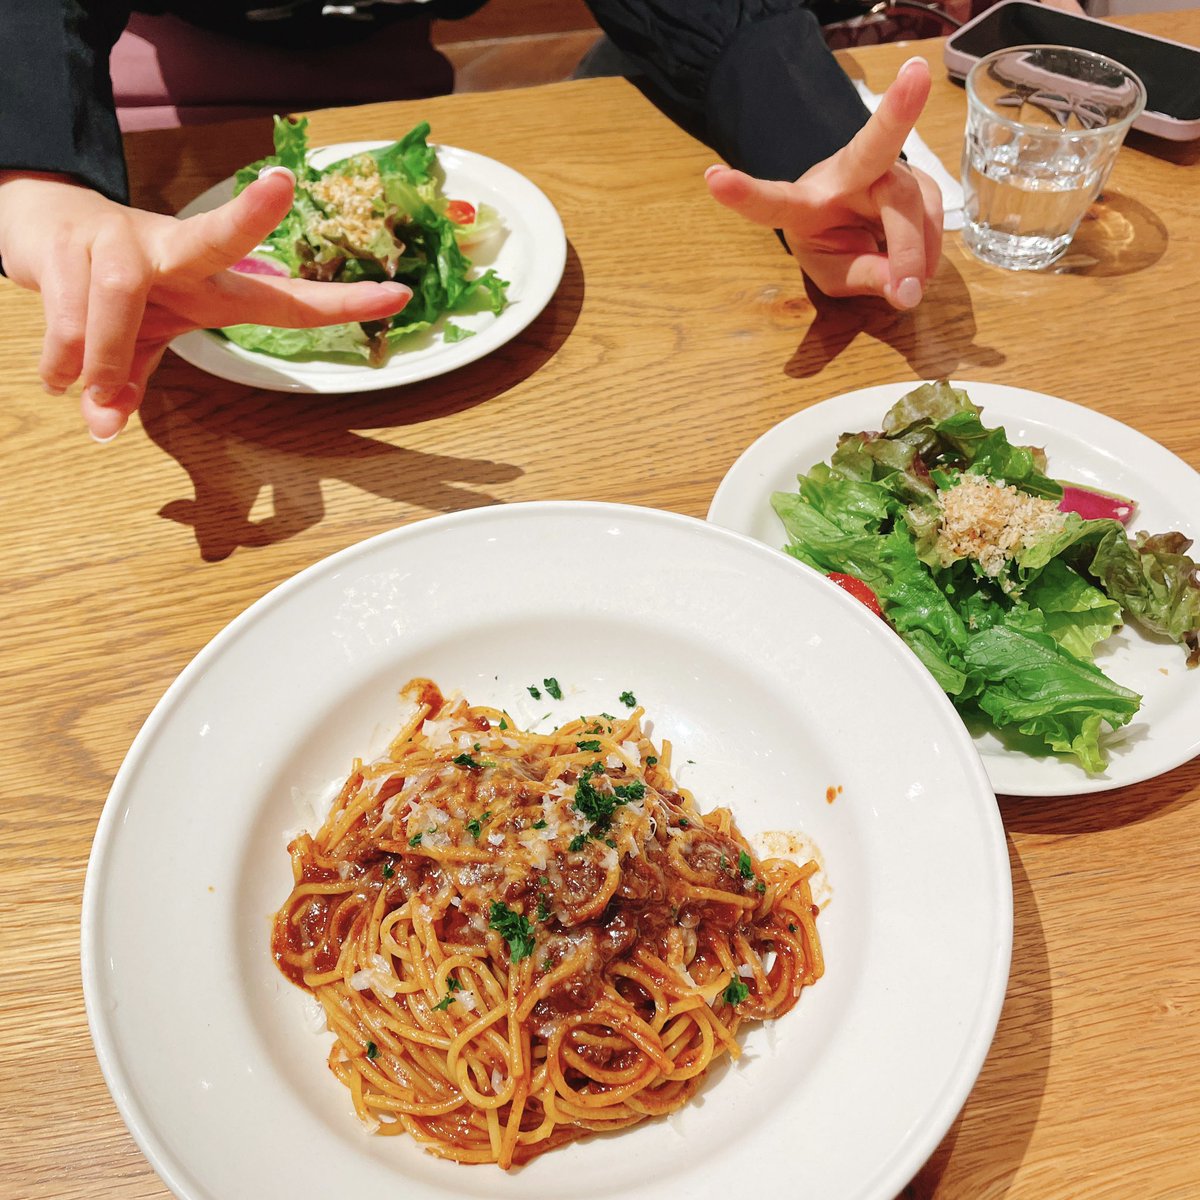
x,y
56,102
752,78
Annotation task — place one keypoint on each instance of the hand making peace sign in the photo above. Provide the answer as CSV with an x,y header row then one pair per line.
x,y
861,222
118,283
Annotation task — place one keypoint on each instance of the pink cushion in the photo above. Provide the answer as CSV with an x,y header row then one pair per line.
x,y
166,72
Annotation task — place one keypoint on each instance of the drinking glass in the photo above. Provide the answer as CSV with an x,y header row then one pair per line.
x,y
1044,124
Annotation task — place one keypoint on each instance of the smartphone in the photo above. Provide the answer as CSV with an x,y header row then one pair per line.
x,y
1170,70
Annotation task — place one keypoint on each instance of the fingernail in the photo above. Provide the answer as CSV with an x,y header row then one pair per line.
x,y
399,289
103,441
909,292
51,390
714,168
276,170
909,62
102,396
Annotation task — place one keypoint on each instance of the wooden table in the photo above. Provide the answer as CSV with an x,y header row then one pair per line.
x,y
679,334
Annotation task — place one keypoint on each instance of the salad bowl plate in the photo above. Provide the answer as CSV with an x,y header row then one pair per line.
x,y
1083,446
530,251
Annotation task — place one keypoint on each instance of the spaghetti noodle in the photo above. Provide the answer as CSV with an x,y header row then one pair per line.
x,y
521,938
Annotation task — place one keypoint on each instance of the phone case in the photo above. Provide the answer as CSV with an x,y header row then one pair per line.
x,y
958,63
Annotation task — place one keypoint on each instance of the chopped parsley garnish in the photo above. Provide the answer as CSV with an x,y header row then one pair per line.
x,y
723,863
548,965
597,806
444,1003
577,843
535,692
539,824
452,984
760,887
736,992
388,870
465,760
415,840
610,842
372,1051
628,699
503,723
514,927
475,824
651,759
543,912
593,746
684,823
745,866
792,927
478,746
551,685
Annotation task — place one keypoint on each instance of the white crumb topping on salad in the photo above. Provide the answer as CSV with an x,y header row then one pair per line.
x,y
353,196
990,521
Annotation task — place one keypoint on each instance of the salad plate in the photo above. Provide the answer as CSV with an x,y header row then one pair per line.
x,y
189,860
530,251
1083,446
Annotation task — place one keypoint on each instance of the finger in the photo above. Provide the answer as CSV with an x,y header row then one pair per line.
x,y
934,224
120,280
145,363
105,421
210,242
64,301
902,211
865,274
876,146
298,303
763,201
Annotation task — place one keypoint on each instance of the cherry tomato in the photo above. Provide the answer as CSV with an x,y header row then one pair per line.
x,y
460,212
858,589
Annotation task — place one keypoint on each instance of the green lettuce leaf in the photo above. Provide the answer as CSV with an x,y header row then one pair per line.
x,y
301,343
1033,684
1076,614
1154,580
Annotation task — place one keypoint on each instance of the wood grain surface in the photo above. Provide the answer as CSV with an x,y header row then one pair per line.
x,y
679,335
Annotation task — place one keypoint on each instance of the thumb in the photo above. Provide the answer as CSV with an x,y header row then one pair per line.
x,y
767,202
213,241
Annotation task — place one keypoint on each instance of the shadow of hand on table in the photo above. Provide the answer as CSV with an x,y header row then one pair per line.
x,y
243,448
937,338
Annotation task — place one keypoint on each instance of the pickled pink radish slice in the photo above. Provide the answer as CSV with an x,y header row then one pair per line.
x,y
1095,505
260,264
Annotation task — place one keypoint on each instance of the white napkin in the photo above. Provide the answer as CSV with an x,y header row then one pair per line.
x,y
920,155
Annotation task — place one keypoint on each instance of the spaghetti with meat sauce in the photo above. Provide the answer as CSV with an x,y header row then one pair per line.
x,y
520,938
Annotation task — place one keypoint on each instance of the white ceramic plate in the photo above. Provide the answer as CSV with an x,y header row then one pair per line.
x,y
530,254
1083,446
772,687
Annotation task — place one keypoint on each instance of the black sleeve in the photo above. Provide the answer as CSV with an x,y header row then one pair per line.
x,y
56,105
753,79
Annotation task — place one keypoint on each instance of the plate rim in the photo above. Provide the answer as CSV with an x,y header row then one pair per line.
x,y
173,1168
196,346
770,450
